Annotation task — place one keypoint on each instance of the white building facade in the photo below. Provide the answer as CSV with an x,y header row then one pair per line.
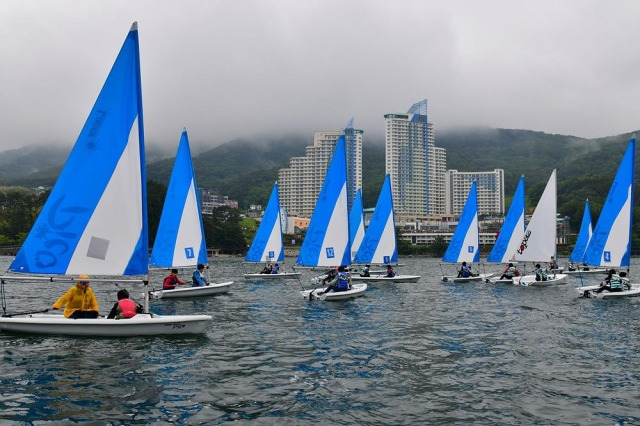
x,y
301,182
490,187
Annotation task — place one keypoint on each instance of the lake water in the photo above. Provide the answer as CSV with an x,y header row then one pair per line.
x,y
425,353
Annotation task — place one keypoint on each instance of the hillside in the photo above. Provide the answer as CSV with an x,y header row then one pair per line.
x,y
246,169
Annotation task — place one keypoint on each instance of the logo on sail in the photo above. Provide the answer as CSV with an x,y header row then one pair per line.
x,y
523,244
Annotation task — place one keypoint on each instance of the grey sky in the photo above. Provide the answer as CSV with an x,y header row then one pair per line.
x,y
243,67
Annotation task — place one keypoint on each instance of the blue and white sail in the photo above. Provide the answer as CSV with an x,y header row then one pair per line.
x,y
356,222
512,229
379,243
327,241
83,227
267,245
465,242
586,230
180,237
610,244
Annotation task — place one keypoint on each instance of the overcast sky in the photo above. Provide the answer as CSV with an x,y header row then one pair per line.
x,y
234,68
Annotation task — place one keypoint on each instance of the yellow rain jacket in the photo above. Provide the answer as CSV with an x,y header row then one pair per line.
x,y
77,298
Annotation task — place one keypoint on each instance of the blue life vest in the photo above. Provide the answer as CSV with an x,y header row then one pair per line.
x,y
343,281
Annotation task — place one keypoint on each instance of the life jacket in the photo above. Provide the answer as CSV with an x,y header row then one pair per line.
x,y
169,283
542,273
465,271
128,307
343,281
275,269
616,282
511,271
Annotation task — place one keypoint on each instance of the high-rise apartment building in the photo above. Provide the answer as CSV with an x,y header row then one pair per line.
x,y
490,191
301,182
416,167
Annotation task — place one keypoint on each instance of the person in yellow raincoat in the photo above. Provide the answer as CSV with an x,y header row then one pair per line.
x,y
79,301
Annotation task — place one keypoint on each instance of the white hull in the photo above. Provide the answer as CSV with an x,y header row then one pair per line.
x,y
140,325
530,280
357,290
384,278
456,279
589,291
179,292
278,276
587,271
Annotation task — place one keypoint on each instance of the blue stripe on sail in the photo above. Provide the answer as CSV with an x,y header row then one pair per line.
x,y
460,246
261,250
319,241
510,226
49,247
356,219
375,235
610,244
583,236
175,203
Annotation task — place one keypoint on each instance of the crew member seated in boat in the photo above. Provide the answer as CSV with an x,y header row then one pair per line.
x,y
509,273
275,269
572,267
465,271
390,272
553,264
541,274
124,307
340,282
267,269
612,283
199,279
172,280
79,301
364,271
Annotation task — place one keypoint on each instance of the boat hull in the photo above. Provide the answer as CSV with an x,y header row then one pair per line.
x,y
587,271
589,291
357,290
384,278
140,325
530,280
278,276
474,278
202,291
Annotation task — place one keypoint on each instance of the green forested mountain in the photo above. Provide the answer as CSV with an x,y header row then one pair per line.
x,y
245,169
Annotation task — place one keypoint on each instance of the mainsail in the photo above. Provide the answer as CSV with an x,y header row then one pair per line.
x,y
327,242
610,244
267,245
512,229
180,237
465,242
379,243
82,227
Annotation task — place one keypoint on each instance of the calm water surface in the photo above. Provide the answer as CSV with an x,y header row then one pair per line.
x,y
402,354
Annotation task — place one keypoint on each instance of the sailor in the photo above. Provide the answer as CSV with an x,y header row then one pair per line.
x,y
465,271
198,277
79,300
541,274
124,307
509,273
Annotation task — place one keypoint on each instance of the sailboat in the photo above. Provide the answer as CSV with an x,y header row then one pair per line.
x,y
610,244
538,244
584,235
95,219
465,242
267,245
510,234
180,240
379,246
327,241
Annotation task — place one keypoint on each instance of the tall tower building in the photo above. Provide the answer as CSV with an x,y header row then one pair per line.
x,y
417,168
301,182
